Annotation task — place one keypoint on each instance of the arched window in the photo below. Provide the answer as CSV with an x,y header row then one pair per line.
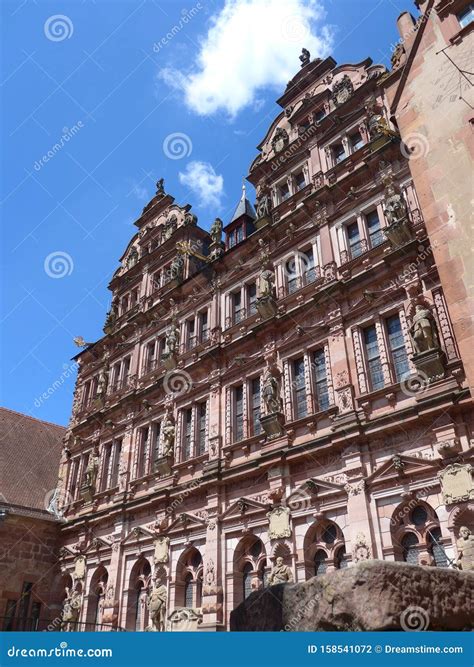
x,y
188,590
329,534
436,548
320,565
247,580
419,516
410,548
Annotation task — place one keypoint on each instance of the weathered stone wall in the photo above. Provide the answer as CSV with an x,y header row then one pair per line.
x,y
373,595
29,553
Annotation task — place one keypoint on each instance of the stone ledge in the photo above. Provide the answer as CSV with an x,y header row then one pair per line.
x,y
372,595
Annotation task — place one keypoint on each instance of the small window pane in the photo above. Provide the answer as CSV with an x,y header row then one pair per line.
x,y
301,408
320,565
410,549
466,16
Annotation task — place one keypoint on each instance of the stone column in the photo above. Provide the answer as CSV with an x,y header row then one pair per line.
x,y
212,590
358,508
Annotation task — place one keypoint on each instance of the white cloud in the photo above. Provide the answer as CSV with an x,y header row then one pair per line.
x,y
202,180
140,192
251,44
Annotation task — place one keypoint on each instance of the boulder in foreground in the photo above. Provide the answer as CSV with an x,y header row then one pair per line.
x,y
372,595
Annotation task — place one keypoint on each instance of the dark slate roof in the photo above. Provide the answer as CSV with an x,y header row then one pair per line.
x,y
244,207
30,451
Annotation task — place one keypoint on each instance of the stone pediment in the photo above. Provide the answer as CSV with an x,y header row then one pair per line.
x,y
317,485
243,506
96,544
188,520
137,534
401,466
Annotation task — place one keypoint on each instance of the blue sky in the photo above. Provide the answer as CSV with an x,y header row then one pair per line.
x,y
112,82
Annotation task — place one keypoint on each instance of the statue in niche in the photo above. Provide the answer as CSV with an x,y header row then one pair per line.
x,y
168,433
216,231
176,268
102,382
423,330
156,604
271,391
395,208
172,339
376,122
92,469
465,545
263,206
280,574
305,57
111,315
70,611
266,282
132,258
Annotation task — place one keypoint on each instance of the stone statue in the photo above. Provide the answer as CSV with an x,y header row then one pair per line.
x,y
465,545
266,282
305,57
160,186
270,392
111,315
423,330
172,339
70,612
280,574
132,258
168,434
263,206
156,604
102,382
395,208
92,469
216,231
176,268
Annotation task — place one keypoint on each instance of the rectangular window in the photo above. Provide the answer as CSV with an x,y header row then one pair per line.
x,y
307,259
255,407
320,380
106,472
202,419
356,141
74,471
466,16
291,275
319,115
203,326
231,240
35,615
353,239
252,298
284,191
376,236
239,234
150,356
238,413
301,407
125,371
300,181
9,618
143,445
191,334
155,442
114,477
373,358
188,425
237,310
133,298
86,394
156,281
397,348
24,605
338,153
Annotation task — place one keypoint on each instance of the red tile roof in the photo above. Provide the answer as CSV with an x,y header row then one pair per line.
x,y
30,451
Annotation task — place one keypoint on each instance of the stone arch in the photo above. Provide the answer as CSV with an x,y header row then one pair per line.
x,y
138,589
283,550
322,547
249,567
461,515
416,534
96,597
189,574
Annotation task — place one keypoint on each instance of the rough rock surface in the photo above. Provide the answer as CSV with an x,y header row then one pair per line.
x,y
372,595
